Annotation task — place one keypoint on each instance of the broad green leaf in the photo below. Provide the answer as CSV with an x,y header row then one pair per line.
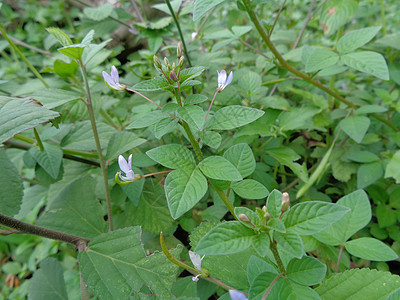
x,y
358,284
256,266
164,8
73,51
67,213
276,224
193,115
358,217
335,14
393,167
341,170
291,290
195,99
238,31
152,213
356,39
48,282
390,40
363,157
183,189
189,73
121,142
369,62
250,81
355,127
311,217
255,220
60,35
217,167
394,296
261,244
370,249
134,190
88,38
250,189
290,243
172,156
155,84
11,190
147,119
261,283
367,174
274,203
49,159
18,115
210,138
286,156
164,126
386,215
52,97
317,59
230,117
114,265
370,109
306,271
98,13
298,118
201,7
242,157
227,238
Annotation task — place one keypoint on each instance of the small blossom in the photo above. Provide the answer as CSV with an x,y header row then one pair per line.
x,y
126,167
196,261
223,82
112,80
236,295
194,34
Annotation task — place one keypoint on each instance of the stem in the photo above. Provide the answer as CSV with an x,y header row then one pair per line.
x,y
26,61
179,30
143,96
157,173
224,198
383,17
277,17
339,258
253,48
288,67
304,25
84,291
38,140
89,106
107,117
41,231
193,141
271,286
275,252
209,108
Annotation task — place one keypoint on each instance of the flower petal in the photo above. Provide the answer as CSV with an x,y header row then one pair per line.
x,y
130,175
123,165
130,161
114,74
236,295
221,77
229,80
196,260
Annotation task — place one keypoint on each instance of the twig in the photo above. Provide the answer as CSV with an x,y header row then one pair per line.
x,y
277,17
304,25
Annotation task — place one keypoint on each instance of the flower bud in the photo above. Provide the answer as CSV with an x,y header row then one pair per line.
x,y
157,62
264,208
179,50
267,216
173,76
243,217
285,202
181,61
173,66
166,63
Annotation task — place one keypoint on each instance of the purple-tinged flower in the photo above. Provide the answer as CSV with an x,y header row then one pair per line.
x,y
236,295
196,261
126,167
112,80
223,81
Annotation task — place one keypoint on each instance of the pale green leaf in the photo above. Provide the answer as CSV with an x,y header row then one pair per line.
x,y
286,156
256,266
230,117
393,167
164,126
210,138
356,39
60,35
355,127
274,203
195,99
147,119
73,51
290,243
367,174
260,284
217,167
201,7
155,84
53,97
98,13
335,14
306,271
121,142
242,157
261,244
250,189
172,156
370,249
49,159
193,115
317,59
369,62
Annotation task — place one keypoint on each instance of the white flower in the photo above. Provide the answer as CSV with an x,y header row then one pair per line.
x,y
196,261
222,81
236,295
126,167
112,80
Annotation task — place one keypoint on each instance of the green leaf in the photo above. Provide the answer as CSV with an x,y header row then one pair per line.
x,y
356,39
172,156
17,115
250,189
11,190
184,188
370,109
261,244
164,126
317,58
355,127
226,238
155,84
256,266
114,265
369,62
367,174
311,217
298,118
274,203
286,156
276,224
250,214
98,13
49,159
260,284
134,190
121,142
217,167
233,116
358,217
147,119
238,31
48,281
195,99
52,97
242,157
67,214
335,14
393,167
193,115
73,51
152,213
359,284
291,290
306,271
201,7
363,157
60,35
370,249
290,243
210,138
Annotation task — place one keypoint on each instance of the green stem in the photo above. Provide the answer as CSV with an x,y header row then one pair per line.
x,y
26,61
383,17
224,198
38,140
193,141
107,117
275,252
89,106
288,67
171,10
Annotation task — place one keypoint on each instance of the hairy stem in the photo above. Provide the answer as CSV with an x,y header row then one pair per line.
x,y
38,140
224,198
339,258
271,286
275,252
